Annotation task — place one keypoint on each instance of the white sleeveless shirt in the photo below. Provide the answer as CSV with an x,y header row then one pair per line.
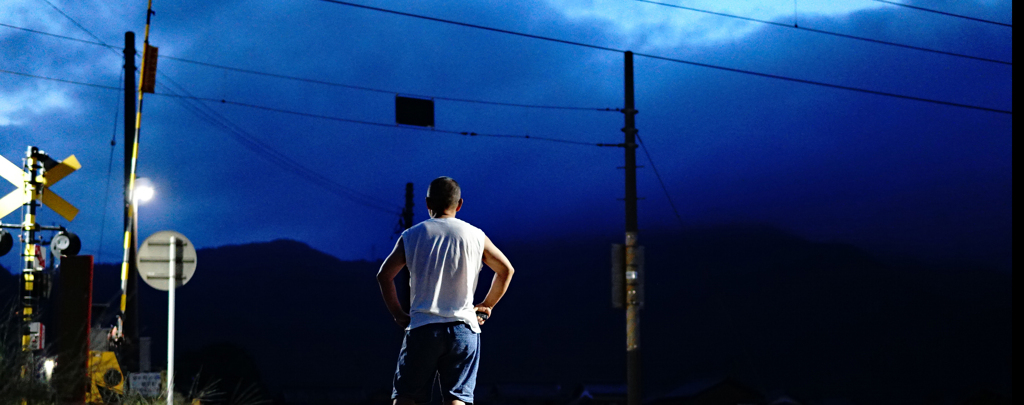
x,y
444,256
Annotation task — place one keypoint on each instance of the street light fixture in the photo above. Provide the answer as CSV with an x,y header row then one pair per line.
x,y
144,190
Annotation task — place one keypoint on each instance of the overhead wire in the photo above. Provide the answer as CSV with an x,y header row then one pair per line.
x,y
660,181
482,27
928,10
251,142
254,143
676,60
324,82
99,86
824,32
74,22
377,90
829,85
670,59
172,94
110,167
56,36
270,153
223,101
382,124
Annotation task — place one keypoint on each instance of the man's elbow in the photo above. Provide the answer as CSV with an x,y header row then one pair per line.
x,y
509,272
383,278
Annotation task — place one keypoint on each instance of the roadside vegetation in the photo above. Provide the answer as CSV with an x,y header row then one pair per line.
x,y
22,381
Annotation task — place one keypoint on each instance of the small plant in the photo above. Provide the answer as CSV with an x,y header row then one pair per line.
x,y
19,382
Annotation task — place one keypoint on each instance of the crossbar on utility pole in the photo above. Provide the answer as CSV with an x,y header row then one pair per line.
x,y
634,387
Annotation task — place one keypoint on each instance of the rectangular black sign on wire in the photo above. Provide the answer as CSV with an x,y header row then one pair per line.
x,y
414,111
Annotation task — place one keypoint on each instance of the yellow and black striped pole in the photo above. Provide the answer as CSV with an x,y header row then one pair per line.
x,y
147,72
33,194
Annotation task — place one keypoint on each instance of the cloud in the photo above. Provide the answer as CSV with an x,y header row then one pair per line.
x,y
15,106
26,12
661,26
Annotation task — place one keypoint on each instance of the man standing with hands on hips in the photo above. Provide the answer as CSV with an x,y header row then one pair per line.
x,y
442,330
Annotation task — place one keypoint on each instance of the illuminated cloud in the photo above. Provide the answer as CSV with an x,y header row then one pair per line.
x,y
26,13
17,106
660,26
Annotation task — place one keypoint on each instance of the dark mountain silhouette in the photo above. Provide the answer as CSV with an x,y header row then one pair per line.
x,y
768,308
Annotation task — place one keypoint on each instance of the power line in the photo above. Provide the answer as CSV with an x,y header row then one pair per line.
x,y
100,86
829,85
323,82
521,34
668,59
56,36
110,166
944,13
172,94
376,90
279,159
834,34
834,86
74,22
270,153
254,143
381,124
660,181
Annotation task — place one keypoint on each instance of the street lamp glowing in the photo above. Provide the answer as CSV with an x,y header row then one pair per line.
x,y
143,190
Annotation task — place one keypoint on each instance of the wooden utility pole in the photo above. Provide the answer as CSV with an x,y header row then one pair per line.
x,y
130,317
407,212
634,387
402,285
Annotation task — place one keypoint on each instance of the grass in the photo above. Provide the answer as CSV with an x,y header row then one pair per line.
x,y
21,384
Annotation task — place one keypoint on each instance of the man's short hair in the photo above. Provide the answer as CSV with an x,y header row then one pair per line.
x,y
444,193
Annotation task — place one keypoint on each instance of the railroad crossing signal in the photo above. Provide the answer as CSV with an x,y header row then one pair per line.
x,y
32,182
53,171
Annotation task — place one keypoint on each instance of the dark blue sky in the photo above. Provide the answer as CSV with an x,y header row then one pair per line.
x,y
892,175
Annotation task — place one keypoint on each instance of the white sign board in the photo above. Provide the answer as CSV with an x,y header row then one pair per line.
x,y
149,385
154,259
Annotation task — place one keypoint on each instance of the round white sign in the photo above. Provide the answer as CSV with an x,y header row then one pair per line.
x,y
154,259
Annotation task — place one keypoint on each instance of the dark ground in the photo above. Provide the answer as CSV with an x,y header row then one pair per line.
x,y
753,303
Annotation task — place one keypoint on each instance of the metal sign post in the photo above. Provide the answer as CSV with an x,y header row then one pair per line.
x,y
167,270
171,275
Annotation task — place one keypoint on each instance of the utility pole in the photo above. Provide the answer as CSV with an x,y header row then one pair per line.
x,y
130,317
407,212
634,387
404,292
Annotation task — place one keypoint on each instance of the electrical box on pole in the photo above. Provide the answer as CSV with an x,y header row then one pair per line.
x,y
414,111
620,277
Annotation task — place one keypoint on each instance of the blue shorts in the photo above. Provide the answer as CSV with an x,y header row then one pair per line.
x,y
451,351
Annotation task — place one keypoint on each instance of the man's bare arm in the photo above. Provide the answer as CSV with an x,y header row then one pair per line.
x,y
503,271
386,278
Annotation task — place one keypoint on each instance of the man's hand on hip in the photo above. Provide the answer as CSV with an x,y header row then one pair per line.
x,y
482,313
403,320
